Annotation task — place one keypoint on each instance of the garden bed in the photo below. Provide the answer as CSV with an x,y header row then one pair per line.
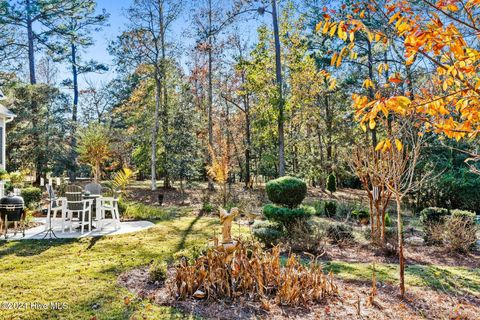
x,y
353,302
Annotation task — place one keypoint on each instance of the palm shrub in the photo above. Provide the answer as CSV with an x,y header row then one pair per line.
x,y
94,147
331,183
287,193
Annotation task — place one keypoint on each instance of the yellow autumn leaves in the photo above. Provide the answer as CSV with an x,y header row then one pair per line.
x,y
386,144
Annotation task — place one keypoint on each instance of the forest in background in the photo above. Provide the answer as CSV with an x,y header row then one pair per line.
x,y
170,101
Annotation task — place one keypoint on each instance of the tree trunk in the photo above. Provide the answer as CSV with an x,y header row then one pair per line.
x,y
329,126
210,92
31,51
278,71
39,158
246,107
166,180
400,245
73,142
158,88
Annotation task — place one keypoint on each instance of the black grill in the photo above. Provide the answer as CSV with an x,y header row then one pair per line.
x,y
12,208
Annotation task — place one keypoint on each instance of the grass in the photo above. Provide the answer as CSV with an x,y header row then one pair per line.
x,y
83,273
141,211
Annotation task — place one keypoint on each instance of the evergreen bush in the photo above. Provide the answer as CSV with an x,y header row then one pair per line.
x,y
331,183
286,191
286,216
31,197
268,233
330,208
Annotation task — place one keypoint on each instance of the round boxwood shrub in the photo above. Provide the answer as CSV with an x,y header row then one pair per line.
x,y
330,208
286,216
331,183
431,218
433,215
286,191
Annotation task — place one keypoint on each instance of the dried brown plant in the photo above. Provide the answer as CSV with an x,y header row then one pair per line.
x,y
253,273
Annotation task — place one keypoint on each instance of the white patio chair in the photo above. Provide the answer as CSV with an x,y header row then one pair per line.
x,y
55,206
77,205
108,204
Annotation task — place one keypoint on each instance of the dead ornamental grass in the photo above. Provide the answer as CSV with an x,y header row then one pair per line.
x,y
255,274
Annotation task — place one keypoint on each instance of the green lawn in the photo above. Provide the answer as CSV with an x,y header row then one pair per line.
x,y
83,273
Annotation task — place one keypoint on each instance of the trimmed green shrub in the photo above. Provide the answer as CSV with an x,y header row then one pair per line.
x,y
268,233
31,197
340,232
433,215
362,216
468,216
286,191
158,271
306,236
431,219
330,208
331,183
286,216
388,220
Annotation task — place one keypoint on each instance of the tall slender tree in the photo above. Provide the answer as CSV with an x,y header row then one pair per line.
x,y
75,34
24,15
144,44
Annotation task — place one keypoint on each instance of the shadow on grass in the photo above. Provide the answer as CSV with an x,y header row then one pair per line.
x,y
26,248
93,241
185,233
454,280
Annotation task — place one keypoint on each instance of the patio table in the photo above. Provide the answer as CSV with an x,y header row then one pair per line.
x,y
93,208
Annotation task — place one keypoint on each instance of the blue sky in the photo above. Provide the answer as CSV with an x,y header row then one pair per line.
x,y
118,22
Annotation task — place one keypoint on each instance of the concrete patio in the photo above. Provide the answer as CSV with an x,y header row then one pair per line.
x,y
38,232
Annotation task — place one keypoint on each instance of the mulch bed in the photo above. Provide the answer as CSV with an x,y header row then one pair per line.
x,y
352,302
414,254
